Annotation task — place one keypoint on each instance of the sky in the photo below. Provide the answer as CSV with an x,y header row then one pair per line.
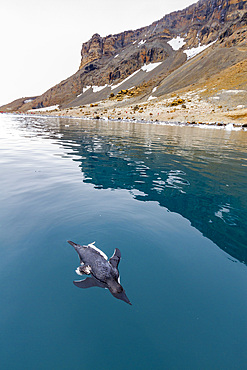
x,y
41,40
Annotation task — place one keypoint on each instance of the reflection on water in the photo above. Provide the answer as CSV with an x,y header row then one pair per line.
x,y
198,173
133,187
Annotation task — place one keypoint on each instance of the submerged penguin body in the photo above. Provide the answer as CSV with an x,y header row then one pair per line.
x,y
104,273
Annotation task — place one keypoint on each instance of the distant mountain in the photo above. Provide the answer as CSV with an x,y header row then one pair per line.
x,y
182,50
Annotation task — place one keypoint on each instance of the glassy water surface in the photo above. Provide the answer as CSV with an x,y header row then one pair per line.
x,y
172,199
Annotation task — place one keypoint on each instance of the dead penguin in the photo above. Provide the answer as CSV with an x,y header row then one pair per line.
x,y
104,273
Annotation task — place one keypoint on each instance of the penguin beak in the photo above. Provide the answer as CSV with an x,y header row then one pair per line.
x,y
122,296
72,243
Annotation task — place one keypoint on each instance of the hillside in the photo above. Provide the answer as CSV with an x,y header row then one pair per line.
x,y
201,47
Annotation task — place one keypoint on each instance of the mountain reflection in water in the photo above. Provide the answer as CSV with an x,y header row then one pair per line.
x,y
198,173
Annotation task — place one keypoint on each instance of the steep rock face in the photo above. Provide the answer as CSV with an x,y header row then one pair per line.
x,y
109,60
91,50
203,21
98,47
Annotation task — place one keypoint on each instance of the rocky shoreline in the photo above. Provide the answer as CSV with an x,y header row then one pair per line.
x,y
189,108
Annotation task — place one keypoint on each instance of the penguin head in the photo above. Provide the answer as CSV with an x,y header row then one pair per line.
x,y
117,291
114,286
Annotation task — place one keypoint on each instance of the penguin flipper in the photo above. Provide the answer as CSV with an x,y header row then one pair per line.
x,y
88,283
115,259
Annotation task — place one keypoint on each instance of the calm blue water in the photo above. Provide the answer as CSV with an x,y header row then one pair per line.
x,y
172,199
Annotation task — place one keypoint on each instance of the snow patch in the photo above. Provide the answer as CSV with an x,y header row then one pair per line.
x,y
194,51
28,101
177,43
99,88
126,79
145,68
141,42
116,56
152,97
85,89
234,91
154,89
45,109
150,67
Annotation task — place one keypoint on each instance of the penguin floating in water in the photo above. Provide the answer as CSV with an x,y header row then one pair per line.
x,y
104,273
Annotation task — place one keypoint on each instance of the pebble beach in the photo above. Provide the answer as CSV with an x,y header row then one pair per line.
x,y
187,108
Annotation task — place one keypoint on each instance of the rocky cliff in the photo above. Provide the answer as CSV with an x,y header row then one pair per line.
x,y
106,61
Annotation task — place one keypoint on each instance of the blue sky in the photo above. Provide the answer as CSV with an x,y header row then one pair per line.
x,y
41,41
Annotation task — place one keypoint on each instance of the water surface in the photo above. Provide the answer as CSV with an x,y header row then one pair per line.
x,y
172,199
